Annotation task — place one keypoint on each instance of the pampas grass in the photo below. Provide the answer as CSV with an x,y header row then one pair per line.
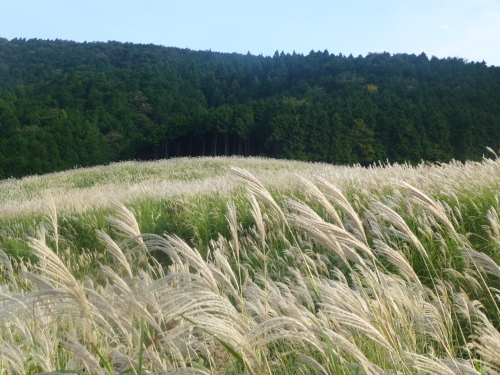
x,y
330,270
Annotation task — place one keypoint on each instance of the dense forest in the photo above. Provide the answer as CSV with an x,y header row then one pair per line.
x,y
65,104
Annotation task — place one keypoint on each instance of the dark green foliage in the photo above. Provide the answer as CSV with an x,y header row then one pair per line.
x,y
65,104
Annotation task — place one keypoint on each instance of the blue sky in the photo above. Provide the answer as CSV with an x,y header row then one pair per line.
x,y
457,28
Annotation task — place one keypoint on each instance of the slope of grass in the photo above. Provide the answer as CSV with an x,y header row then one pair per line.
x,y
232,265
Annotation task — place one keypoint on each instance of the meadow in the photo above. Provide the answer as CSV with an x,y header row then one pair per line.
x,y
252,266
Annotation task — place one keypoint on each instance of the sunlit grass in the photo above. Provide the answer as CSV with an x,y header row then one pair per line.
x,y
257,266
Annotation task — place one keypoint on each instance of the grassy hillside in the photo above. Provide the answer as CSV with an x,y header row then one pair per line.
x,y
254,266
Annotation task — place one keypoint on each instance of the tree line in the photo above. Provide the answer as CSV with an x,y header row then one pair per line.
x,y
65,104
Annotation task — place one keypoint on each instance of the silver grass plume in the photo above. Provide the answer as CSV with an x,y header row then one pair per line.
x,y
7,264
126,223
311,362
14,356
327,234
353,321
131,298
259,220
336,196
53,268
229,278
388,214
14,312
338,293
494,228
460,366
398,260
111,312
223,329
37,282
282,328
233,227
428,365
320,198
115,250
487,343
308,226
482,261
434,322
342,343
256,188
465,307
90,363
118,282
177,249
492,151
435,208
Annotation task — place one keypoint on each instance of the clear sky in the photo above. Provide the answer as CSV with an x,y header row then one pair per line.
x,y
457,28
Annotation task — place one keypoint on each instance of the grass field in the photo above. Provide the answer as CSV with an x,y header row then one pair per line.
x,y
252,266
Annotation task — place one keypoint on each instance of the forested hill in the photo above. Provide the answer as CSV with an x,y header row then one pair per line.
x,y
65,104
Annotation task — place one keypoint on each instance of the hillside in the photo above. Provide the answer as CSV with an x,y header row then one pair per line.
x,y
65,104
251,266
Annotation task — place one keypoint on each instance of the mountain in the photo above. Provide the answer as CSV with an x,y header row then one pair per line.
x,y
65,104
